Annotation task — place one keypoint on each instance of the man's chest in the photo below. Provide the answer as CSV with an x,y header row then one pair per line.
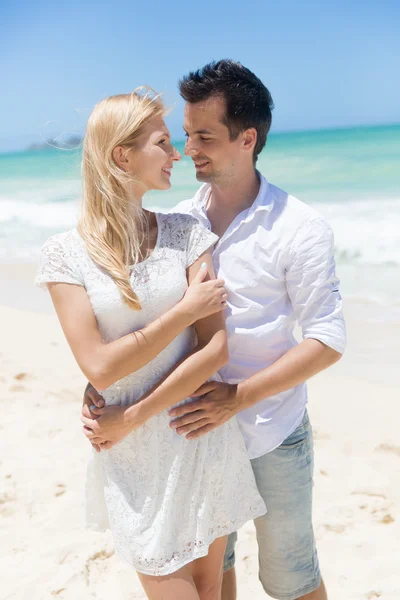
x,y
220,223
251,267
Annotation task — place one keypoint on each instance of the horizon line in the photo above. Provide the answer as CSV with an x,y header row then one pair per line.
x,y
271,133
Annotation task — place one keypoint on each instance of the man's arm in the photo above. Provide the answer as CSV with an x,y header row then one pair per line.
x,y
223,400
294,367
313,290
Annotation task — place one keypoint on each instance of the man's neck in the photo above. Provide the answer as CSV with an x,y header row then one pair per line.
x,y
226,202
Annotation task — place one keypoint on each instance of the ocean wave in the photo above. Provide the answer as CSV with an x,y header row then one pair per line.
x,y
44,215
366,232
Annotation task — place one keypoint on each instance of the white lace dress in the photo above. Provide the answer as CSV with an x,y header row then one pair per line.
x,y
165,498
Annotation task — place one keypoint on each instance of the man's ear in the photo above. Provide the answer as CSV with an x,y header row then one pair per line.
x,y
249,139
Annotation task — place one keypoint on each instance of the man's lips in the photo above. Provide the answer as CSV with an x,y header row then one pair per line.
x,y
199,164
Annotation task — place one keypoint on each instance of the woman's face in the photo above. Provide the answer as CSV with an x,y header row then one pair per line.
x,y
152,158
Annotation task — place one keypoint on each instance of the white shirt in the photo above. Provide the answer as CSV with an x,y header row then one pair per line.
x,y
277,260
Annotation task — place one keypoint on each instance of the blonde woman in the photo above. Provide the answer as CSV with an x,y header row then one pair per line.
x,y
128,285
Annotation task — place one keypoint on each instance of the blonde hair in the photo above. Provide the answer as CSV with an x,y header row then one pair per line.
x,y
109,225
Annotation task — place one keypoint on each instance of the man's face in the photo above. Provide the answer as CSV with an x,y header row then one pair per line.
x,y
208,142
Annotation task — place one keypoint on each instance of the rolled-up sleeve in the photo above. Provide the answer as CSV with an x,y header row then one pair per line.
x,y
312,284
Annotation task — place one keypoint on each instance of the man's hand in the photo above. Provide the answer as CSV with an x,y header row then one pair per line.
x,y
110,426
218,404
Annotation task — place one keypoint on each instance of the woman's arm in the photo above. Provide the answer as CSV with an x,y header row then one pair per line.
x,y
210,354
104,364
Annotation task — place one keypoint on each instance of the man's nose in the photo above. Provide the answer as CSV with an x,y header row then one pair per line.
x,y
190,148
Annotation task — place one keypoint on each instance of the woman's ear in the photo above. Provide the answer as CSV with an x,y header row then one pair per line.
x,y
119,155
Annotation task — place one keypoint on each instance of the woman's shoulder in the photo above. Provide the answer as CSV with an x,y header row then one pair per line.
x,y
187,234
62,241
65,246
60,259
181,223
178,229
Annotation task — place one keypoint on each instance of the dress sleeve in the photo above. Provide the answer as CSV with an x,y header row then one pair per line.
x,y
199,239
57,264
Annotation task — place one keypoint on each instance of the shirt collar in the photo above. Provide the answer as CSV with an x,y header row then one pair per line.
x,y
263,200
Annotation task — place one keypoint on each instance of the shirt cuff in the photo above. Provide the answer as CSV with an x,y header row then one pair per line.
x,y
335,339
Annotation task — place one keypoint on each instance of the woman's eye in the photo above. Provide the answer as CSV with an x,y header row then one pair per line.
x,y
162,141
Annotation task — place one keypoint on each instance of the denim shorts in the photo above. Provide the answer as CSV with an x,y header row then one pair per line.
x,y
288,561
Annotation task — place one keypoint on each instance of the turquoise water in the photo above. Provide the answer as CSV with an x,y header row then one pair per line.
x,y
352,176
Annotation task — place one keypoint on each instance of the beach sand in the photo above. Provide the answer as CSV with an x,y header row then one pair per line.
x,y
46,552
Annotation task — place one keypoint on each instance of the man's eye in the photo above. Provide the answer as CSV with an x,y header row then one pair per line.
x,y
186,134
204,139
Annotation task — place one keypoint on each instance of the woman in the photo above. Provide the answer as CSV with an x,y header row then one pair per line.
x,y
119,284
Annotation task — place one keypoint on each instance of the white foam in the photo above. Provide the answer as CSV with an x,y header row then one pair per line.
x,y
366,231
42,215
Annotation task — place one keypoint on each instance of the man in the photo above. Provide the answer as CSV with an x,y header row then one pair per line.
x,y
276,256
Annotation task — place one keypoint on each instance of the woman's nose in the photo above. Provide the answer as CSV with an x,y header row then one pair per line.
x,y
176,155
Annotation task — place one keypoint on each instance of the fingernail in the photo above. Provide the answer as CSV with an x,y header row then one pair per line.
x,y
93,406
204,265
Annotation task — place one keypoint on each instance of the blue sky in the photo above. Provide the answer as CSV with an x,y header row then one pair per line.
x,y
326,64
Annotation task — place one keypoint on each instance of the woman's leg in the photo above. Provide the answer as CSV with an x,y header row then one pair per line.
x,y
207,571
176,586
199,580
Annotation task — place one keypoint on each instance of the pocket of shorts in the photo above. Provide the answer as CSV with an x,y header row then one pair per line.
x,y
299,436
296,444
296,448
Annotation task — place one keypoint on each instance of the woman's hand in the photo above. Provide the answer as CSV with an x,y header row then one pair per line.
x,y
112,424
204,298
93,400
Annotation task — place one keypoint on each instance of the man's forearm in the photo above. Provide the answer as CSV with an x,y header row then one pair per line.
x,y
294,367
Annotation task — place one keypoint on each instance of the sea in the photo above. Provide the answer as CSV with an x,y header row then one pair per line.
x,y
351,176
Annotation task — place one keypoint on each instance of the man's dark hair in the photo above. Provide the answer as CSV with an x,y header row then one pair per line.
x,y
248,101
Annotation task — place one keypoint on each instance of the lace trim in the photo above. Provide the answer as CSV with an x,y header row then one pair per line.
x,y
193,550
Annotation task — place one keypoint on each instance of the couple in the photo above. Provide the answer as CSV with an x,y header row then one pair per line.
x,y
141,308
